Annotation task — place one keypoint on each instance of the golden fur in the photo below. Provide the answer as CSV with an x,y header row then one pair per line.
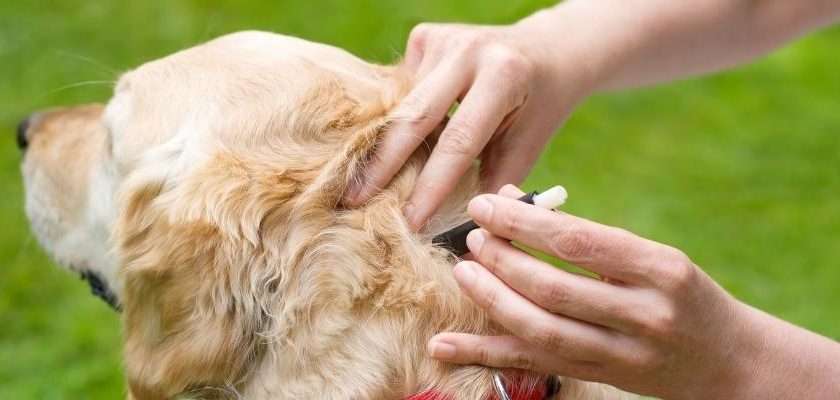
x,y
217,173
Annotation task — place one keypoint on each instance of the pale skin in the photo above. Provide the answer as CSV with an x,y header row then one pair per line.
x,y
654,323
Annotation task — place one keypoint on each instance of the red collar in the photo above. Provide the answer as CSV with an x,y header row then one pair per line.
x,y
516,391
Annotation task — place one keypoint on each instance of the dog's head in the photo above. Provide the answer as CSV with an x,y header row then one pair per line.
x,y
206,197
272,110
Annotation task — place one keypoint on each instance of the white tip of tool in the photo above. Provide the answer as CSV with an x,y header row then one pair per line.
x,y
551,198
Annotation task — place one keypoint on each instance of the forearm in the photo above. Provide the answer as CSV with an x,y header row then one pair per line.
x,y
639,42
783,361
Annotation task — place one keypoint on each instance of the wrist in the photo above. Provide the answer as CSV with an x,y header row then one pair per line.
x,y
741,373
775,359
562,60
595,39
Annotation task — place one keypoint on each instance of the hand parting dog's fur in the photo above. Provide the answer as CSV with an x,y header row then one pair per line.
x,y
217,172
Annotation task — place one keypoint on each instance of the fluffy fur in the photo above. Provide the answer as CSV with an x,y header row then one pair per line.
x,y
216,176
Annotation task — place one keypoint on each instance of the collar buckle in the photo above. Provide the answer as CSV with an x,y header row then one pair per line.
x,y
552,386
499,386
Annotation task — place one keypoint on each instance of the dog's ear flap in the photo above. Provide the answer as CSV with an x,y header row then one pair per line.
x,y
328,189
185,327
364,117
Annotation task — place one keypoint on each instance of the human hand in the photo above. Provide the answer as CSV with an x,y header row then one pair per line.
x,y
655,324
517,83
512,98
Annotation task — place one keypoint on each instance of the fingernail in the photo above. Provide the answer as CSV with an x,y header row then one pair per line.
x,y
441,349
475,240
480,208
464,273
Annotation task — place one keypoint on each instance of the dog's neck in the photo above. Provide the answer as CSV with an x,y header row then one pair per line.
x,y
369,304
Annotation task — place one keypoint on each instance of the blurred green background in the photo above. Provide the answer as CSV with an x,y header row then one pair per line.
x,y
741,170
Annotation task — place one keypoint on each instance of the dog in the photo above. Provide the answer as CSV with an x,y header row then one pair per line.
x,y
204,202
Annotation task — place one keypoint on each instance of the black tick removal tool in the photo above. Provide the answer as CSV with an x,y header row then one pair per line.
x,y
455,239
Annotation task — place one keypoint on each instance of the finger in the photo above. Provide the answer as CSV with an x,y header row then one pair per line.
x,y
415,46
527,321
428,45
466,134
417,115
510,157
553,289
602,249
509,160
504,352
511,191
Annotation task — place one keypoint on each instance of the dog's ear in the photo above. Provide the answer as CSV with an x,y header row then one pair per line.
x,y
348,162
189,321
204,259
358,117
201,264
201,260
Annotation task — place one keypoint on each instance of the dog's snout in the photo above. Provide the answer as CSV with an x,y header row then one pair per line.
x,y
22,133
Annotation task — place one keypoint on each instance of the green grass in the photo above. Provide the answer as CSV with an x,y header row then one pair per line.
x,y
741,170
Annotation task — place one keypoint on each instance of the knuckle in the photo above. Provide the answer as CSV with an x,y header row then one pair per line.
x,y
572,243
509,222
489,300
521,360
509,63
545,336
483,353
512,68
552,293
623,312
492,257
646,360
419,34
457,139
661,323
678,272
473,41
417,112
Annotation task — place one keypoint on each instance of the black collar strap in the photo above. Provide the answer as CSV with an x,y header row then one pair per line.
x,y
100,289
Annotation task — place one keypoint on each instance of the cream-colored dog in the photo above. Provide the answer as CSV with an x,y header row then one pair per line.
x,y
205,197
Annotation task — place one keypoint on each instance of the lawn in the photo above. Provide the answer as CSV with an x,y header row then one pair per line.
x,y
740,170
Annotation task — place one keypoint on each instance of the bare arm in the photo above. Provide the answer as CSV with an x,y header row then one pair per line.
x,y
639,42
518,83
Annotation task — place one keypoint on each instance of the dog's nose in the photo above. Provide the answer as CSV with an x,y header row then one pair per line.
x,y
22,128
